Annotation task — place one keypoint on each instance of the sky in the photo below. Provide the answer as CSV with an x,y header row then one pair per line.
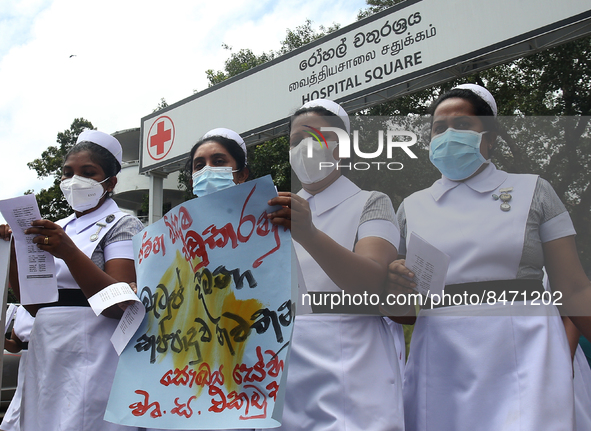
x,y
111,62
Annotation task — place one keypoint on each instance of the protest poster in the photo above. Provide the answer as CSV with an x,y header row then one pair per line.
x,y
215,278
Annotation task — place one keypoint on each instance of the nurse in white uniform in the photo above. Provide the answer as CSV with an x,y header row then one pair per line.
x,y
510,370
71,361
343,366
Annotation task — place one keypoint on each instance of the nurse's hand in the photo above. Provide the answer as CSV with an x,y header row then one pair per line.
x,y
5,232
397,284
123,305
52,238
294,215
6,235
399,278
281,217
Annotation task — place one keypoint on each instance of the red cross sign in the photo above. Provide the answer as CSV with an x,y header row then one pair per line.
x,y
160,137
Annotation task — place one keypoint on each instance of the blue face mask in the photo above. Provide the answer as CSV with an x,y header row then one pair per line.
x,y
456,153
212,179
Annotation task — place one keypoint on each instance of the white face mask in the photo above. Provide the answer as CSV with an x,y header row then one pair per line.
x,y
308,169
82,193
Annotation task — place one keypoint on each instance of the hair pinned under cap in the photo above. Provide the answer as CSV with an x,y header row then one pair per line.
x,y
333,107
483,93
227,133
108,142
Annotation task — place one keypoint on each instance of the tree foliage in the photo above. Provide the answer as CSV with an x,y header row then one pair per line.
x,y
238,62
245,59
51,202
303,35
376,6
163,104
271,158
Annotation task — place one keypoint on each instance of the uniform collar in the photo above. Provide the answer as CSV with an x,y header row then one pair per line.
x,y
87,220
335,194
486,181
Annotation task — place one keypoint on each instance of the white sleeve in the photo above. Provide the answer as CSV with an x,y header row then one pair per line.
x,y
384,229
119,250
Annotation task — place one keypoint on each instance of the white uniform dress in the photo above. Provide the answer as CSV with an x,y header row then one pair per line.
x,y
468,371
23,323
343,369
71,361
582,382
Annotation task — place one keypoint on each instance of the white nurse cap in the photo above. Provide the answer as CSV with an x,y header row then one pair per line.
x,y
483,93
230,134
330,106
104,140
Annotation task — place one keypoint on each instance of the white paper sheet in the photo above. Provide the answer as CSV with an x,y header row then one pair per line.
x,y
130,321
36,268
428,264
111,295
132,317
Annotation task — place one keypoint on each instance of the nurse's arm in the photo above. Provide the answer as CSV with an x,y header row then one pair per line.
x,y
356,272
566,276
13,344
89,277
92,279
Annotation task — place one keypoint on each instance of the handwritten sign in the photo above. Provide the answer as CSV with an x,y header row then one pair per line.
x,y
215,278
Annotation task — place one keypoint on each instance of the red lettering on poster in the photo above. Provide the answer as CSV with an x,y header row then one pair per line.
x,y
140,408
195,245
